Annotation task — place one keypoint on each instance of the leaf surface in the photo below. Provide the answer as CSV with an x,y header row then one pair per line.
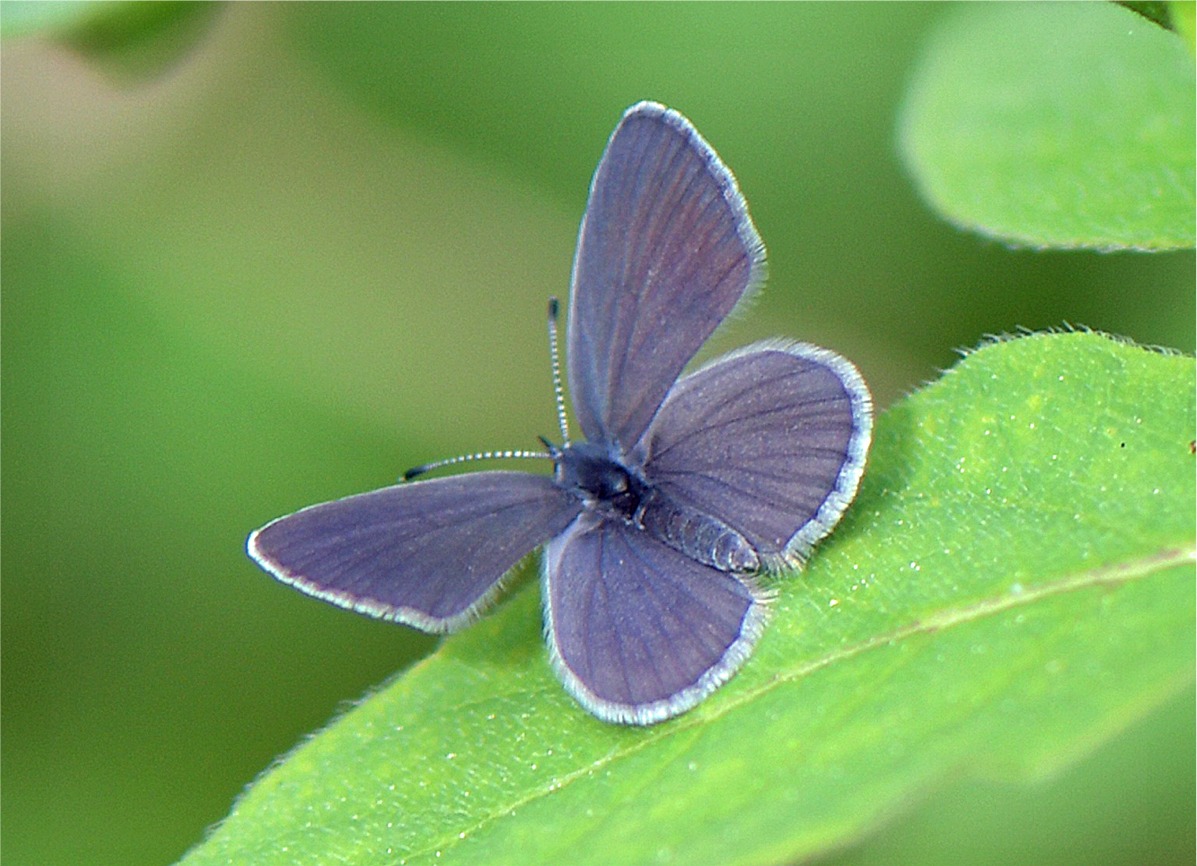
x,y
1056,125
1014,584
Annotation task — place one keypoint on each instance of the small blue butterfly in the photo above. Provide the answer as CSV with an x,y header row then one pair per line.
x,y
655,527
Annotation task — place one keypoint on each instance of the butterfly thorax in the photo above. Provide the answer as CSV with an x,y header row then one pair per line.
x,y
614,490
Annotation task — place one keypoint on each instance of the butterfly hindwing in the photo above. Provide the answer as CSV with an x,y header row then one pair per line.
x,y
770,439
637,631
426,553
665,251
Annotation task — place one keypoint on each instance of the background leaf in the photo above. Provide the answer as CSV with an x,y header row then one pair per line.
x,y
129,41
1182,16
1013,585
1155,11
27,17
1062,125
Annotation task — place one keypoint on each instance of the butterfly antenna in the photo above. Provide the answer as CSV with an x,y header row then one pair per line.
x,y
551,451
558,392
417,471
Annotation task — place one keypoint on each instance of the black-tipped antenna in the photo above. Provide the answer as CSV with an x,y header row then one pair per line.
x,y
558,393
551,452
417,471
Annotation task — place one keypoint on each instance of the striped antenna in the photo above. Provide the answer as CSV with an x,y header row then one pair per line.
x,y
558,393
551,452
417,471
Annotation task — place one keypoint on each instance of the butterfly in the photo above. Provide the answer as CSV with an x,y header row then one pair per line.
x,y
658,525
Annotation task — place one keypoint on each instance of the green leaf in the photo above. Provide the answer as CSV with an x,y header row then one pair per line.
x,y
128,41
37,17
1057,125
1155,11
1014,584
136,41
1182,14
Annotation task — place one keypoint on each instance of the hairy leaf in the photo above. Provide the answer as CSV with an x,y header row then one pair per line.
x,y
1014,584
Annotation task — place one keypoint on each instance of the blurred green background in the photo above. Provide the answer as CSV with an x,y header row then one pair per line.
x,y
304,247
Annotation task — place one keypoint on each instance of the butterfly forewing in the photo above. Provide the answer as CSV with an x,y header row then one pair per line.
x,y
427,553
639,632
665,251
770,439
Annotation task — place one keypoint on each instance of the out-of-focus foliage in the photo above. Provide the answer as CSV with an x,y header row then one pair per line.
x,y
129,41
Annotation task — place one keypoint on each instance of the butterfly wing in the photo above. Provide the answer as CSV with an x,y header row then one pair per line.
x,y
770,439
430,554
637,631
666,249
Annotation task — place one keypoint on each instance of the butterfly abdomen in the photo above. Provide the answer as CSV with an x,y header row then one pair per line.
x,y
700,536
